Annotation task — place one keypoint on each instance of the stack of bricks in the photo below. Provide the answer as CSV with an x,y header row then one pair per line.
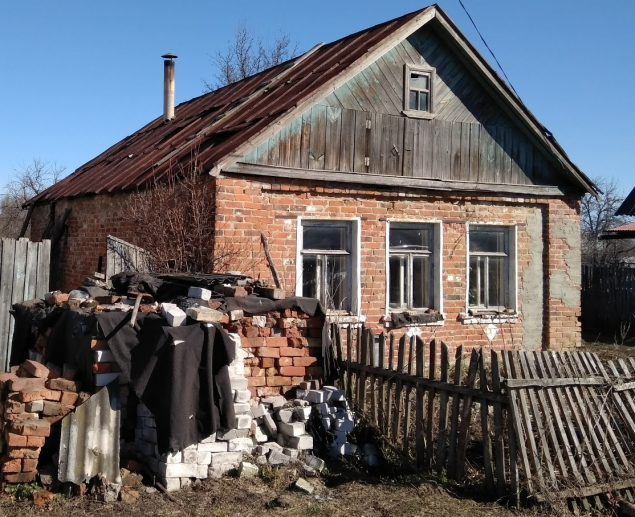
x,y
33,398
105,368
282,349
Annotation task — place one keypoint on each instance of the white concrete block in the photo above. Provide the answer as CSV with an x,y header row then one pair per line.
x,y
204,314
303,413
218,471
170,484
238,383
344,424
190,456
315,462
210,439
173,314
277,457
34,406
247,470
270,425
242,396
303,443
292,453
202,471
315,396
224,458
177,470
200,293
259,321
284,415
149,434
242,408
213,447
242,444
258,432
243,421
172,457
203,458
292,429
149,421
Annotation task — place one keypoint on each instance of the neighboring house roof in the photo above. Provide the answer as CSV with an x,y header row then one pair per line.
x,y
222,126
628,206
625,231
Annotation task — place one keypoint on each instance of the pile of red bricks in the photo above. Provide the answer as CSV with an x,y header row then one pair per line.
x,y
33,398
283,349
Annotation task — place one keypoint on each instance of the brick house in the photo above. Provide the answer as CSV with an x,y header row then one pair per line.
x,y
395,175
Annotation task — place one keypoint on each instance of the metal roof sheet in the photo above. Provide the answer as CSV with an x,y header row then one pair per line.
x,y
215,125
624,228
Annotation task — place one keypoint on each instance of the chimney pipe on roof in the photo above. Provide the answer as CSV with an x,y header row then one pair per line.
x,y
168,86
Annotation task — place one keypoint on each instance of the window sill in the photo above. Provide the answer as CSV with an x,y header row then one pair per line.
x,y
469,319
407,319
345,319
426,115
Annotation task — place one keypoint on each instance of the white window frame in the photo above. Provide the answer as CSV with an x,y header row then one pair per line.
x,y
423,70
436,265
512,264
355,259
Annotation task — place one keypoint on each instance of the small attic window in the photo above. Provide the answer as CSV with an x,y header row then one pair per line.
x,y
418,84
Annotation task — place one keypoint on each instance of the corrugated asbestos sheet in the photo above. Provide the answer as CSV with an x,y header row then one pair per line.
x,y
90,439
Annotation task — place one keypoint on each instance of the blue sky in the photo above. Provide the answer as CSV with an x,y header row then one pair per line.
x,y
78,76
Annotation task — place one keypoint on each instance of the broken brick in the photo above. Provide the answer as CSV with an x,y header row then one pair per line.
x,y
83,397
31,394
29,464
5,379
23,452
62,385
42,498
11,465
36,369
22,477
31,428
68,398
55,408
284,361
305,361
21,383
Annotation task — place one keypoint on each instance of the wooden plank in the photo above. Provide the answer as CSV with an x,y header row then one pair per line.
x,y
362,376
361,141
317,138
454,420
389,385
274,149
411,134
407,397
372,379
30,282
546,417
295,143
399,389
487,440
349,360
499,443
305,139
6,288
431,406
443,412
347,139
419,372
515,384
518,419
466,411
17,293
43,268
284,146
514,483
456,150
475,155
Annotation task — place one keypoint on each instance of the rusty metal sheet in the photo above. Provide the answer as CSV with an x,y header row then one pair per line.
x,y
90,438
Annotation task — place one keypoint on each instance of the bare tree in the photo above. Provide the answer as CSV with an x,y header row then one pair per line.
x,y
247,55
598,216
28,181
175,223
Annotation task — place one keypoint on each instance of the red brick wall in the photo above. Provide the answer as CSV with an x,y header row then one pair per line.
x,y
245,207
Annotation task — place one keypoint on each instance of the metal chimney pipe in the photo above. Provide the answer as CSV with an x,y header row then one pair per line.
x,y
168,86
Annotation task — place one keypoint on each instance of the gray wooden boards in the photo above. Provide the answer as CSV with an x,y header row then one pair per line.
x,y
24,275
123,256
575,422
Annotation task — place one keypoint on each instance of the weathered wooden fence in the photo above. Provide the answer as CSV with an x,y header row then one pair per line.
x,y
123,256
608,297
24,275
555,426
423,403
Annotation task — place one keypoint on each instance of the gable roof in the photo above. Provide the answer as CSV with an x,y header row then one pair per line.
x,y
628,205
222,126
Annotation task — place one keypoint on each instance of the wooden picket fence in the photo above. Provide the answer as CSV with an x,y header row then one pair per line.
x,y
425,405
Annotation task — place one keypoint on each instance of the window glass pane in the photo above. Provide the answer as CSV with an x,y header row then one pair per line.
x,y
419,81
423,101
309,276
496,277
487,241
324,238
476,293
417,239
420,282
336,295
397,273
413,100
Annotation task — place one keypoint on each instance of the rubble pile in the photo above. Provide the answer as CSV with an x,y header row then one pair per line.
x,y
33,398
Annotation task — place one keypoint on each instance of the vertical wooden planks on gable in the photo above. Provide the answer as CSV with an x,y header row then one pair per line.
x,y
274,150
317,139
284,149
375,144
361,140
507,156
305,145
6,288
295,143
333,139
410,134
347,139
475,151
455,150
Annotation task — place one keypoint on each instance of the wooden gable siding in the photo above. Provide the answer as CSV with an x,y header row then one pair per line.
x,y
457,96
338,139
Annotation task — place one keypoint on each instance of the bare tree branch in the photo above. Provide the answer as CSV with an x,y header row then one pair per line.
x,y
247,54
28,181
597,216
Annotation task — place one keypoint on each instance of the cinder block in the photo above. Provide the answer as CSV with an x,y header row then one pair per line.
x,y
203,458
241,444
277,457
224,458
303,443
242,408
190,456
200,293
171,484
173,314
202,471
259,432
247,470
213,447
172,457
259,321
292,429
204,314
270,425
238,383
243,421
303,413
315,462
258,411
210,439
218,471
292,453
345,424
142,410
242,396
274,402
284,415
149,434
35,406
177,470
316,396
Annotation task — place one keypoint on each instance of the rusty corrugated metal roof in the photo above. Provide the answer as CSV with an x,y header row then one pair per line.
x,y
213,126
628,206
90,439
624,228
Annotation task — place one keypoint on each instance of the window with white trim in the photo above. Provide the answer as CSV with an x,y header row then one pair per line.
x,y
418,93
411,266
491,279
327,253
